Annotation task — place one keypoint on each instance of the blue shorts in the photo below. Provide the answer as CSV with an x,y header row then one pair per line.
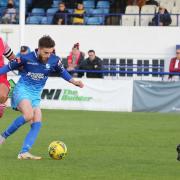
x,y
21,92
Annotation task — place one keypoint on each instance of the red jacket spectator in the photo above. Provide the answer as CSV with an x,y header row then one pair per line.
x,y
75,57
174,65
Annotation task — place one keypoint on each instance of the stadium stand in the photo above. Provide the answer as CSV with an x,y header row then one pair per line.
x,y
38,11
102,12
94,12
34,19
149,10
94,20
128,20
89,4
174,17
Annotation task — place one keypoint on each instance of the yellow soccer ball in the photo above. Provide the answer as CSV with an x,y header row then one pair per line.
x,y
57,150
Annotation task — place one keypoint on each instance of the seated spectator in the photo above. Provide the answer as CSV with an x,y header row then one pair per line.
x,y
91,63
162,18
152,2
74,59
59,16
23,50
174,65
78,17
10,13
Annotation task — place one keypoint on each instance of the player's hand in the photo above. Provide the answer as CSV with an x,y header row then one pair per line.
x,y
77,83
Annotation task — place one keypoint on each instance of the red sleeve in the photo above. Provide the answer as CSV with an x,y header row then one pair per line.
x,y
172,64
7,50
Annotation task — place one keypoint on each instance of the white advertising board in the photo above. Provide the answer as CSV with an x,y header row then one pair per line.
x,y
97,95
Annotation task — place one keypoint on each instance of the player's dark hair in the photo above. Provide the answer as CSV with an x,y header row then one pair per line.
x,y
46,42
91,51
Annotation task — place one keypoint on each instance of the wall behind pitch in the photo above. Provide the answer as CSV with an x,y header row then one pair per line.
x,y
110,41
107,41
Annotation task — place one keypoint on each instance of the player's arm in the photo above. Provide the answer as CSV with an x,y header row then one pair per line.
x,y
66,76
13,65
4,69
8,53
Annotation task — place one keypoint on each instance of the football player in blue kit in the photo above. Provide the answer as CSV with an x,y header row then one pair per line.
x,y
27,93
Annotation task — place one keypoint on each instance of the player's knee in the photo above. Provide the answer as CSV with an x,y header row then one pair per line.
x,y
3,98
28,116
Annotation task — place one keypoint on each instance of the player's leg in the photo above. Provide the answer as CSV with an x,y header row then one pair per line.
x,y
27,115
4,90
31,136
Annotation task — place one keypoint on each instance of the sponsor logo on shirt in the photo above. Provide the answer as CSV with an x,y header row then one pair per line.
x,y
32,63
36,76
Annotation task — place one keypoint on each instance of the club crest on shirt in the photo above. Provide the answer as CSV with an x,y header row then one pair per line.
x,y
47,66
60,64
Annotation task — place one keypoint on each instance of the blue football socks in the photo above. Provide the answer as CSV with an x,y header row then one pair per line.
x,y
14,126
31,137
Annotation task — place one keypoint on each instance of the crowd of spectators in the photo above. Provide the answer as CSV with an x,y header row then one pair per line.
x,y
76,61
74,12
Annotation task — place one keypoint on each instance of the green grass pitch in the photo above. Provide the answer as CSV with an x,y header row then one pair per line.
x,y
101,146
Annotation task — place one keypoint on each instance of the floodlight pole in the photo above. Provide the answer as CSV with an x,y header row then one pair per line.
x,y
6,31
22,11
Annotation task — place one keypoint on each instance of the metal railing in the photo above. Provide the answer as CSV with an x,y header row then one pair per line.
x,y
136,22
162,75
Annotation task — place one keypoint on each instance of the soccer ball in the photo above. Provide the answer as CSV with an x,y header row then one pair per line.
x,y
57,150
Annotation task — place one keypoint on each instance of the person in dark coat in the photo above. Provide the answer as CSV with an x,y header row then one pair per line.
x,y
162,18
91,63
60,15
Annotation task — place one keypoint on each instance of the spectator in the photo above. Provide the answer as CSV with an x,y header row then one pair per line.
x,y
175,62
92,63
79,14
74,59
10,13
23,50
152,2
162,18
60,15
